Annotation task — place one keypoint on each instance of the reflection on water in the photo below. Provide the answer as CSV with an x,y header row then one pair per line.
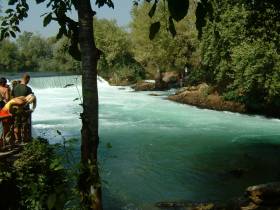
x,y
164,151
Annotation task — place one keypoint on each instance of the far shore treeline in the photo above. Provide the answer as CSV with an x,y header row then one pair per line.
x,y
236,52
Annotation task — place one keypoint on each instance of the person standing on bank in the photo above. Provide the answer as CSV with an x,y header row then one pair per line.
x,y
22,121
22,89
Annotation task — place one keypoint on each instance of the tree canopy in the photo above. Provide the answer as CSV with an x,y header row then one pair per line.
x,y
164,52
240,52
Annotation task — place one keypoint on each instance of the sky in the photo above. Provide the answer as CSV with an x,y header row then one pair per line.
x,y
34,23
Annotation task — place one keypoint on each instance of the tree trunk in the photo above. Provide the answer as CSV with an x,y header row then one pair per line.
x,y
89,183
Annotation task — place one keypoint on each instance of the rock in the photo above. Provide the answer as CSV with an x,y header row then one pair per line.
x,y
188,206
153,94
204,96
204,206
250,206
265,194
170,77
181,90
202,87
161,85
144,86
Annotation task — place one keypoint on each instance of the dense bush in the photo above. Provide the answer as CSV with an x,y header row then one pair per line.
x,y
164,52
117,63
257,73
35,180
31,52
240,52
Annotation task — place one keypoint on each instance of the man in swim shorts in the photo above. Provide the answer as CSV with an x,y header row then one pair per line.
x,y
22,117
7,112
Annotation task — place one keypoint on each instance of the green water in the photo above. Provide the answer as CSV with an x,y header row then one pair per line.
x,y
164,151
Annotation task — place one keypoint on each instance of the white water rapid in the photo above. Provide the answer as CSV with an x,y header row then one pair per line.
x,y
161,150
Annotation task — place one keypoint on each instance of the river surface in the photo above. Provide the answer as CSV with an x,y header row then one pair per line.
x,y
161,150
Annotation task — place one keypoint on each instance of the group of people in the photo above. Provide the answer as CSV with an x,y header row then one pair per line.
x,y
15,112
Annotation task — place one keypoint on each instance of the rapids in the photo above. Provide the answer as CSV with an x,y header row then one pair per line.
x,y
161,150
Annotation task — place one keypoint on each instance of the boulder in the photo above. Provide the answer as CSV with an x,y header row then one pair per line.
x,y
265,194
170,77
144,86
154,94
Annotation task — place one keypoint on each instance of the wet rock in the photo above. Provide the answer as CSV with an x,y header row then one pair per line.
x,y
153,94
204,206
188,206
144,86
170,77
265,194
204,96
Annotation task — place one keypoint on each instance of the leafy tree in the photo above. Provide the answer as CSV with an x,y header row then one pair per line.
x,y
240,52
164,52
117,62
35,180
82,37
33,50
60,60
9,59
257,74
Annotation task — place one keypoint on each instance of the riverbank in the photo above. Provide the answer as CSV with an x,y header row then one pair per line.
x,y
257,197
204,96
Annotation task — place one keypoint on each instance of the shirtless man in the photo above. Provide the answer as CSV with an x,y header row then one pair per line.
x,y
7,112
22,121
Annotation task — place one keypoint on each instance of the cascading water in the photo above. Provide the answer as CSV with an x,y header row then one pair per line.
x,y
161,150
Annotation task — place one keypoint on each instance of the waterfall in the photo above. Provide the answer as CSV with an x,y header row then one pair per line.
x,y
62,82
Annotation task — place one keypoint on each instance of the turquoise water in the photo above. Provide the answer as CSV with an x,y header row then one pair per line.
x,y
161,150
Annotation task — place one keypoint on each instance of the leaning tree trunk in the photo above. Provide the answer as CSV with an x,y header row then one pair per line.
x,y
89,182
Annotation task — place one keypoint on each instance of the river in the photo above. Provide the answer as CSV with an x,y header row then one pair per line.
x,y
162,150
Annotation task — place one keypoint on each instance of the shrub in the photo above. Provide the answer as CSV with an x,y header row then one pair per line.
x,y
37,179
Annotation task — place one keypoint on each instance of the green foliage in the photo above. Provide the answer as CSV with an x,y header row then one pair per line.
x,y
10,58
41,177
257,72
37,179
31,52
164,52
176,10
117,63
60,60
240,51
